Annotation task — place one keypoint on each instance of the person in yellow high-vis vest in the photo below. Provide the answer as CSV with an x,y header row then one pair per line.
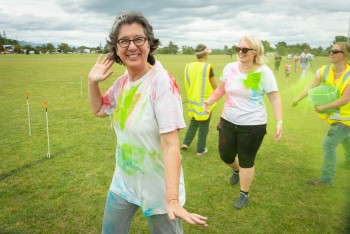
x,y
200,84
338,115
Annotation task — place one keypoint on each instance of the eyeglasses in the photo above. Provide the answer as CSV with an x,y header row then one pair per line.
x,y
335,51
244,50
138,41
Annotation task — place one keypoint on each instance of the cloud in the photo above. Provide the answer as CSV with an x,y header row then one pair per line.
x,y
215,23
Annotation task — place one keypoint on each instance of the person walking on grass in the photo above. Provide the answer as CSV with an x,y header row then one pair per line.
x,y
336,74
305,60
296,59
242,126
148,171
287,68
278,60
200,84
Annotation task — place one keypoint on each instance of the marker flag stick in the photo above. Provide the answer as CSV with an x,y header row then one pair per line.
x,y
47,129
29,129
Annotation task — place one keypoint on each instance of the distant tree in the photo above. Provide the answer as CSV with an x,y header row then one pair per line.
x,y
170,49
4,34
63,47
17,49
340,39
28,48
187,50
173,48
50,47
105,49
2,49
267,46
282,48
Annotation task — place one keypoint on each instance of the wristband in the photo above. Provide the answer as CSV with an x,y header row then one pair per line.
x,y
279,121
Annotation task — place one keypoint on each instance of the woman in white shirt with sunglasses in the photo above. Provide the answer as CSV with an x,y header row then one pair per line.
x,y
242,126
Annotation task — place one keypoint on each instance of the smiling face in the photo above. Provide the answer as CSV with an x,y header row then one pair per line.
x,y
336,57
134,57
245,57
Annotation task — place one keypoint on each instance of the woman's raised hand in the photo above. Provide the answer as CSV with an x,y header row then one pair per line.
x,y
100,71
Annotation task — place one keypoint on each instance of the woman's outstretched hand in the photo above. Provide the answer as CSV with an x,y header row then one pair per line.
x,y
175,210
100,71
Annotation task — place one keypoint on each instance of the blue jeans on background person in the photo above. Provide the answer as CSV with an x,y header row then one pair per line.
x,y
337,134
119,212
203,130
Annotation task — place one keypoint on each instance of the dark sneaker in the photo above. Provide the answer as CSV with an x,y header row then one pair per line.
x,y
241,201
184,147
234,179
319,182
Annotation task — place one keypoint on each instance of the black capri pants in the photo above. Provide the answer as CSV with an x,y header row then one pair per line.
x,y
241,140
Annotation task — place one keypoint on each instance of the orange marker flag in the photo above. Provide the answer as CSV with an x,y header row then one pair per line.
x,y
47,129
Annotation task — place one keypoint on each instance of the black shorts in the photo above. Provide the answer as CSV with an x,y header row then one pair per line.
x,y
241,140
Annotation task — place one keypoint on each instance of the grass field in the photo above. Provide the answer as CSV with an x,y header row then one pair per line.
x,y
66,193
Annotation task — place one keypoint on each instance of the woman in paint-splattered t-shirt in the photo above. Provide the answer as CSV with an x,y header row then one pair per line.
x,y
147,114
242,126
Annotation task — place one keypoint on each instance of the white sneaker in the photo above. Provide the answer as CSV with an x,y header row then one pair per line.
x,y
205,151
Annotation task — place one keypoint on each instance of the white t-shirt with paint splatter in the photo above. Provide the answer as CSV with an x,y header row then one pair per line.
x,y
244,104
142,110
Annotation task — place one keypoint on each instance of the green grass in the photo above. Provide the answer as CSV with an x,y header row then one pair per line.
x,y
66,193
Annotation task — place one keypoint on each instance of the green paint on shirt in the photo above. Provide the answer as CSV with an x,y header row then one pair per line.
x,y
126,104
253,80
132,158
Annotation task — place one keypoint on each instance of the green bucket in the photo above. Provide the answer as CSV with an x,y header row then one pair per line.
x,y
322,95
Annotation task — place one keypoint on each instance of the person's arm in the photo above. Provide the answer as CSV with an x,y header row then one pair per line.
x,y
213,82
315,82
215,96
212,79
172,166
98,73
344,99
276,103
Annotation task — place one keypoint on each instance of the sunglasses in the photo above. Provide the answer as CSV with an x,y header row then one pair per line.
x,y
244,50
335,51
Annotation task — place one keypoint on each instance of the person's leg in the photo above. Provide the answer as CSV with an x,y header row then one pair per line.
x,y
117,215
346,146
227,142
249,139
336,135
161,224
203,130
228,148
191,132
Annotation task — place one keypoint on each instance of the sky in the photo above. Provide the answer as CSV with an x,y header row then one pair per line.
x,y
216,23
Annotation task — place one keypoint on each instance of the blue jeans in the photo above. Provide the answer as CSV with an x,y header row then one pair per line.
x,y
337,134
119,213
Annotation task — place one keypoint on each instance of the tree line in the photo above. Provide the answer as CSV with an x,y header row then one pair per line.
x,y
282,48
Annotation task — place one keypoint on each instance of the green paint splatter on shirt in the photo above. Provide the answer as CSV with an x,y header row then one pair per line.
x,y
126,103
131,158
253,80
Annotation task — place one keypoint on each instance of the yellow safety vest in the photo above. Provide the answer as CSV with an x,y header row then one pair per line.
x,y
342,113
198,89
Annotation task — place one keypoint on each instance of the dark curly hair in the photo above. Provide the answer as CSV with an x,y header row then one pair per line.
x,y
130,18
